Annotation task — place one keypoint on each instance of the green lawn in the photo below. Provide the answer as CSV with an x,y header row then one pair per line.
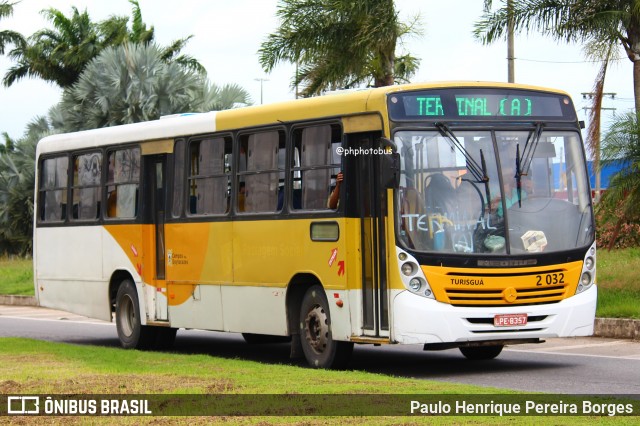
x,y
618,278
618,282
16,276
31,367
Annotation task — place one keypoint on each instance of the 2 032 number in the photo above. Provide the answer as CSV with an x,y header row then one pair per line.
x,y
550,279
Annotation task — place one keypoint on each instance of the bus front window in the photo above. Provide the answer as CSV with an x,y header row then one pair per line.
x,y
508,192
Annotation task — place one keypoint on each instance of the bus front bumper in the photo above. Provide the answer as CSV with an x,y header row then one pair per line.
x,y
418,320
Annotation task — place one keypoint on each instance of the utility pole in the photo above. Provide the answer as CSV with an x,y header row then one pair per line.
x,y
590,96
261,80
510,44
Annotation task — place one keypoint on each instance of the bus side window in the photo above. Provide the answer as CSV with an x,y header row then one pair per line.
x,y
259,171
53,189
209,176
87,192
178,179
316,165
123,182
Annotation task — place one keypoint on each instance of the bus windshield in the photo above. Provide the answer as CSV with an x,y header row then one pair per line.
x,y
493,192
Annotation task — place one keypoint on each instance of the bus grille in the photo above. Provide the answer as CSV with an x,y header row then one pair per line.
x,y
496,297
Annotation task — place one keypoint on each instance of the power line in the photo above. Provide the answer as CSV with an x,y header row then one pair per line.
x,y
567,62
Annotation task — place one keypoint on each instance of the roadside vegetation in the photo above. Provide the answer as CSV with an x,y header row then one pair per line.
x,y
618,281
16,276
59,368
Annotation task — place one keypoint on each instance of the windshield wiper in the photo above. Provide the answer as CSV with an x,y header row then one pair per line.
x,y
529,149
478,172
518,176
524,163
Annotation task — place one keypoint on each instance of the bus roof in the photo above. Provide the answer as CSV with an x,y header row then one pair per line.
x,y
332,105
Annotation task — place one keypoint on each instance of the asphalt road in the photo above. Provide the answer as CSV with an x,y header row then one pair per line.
x,y
566,366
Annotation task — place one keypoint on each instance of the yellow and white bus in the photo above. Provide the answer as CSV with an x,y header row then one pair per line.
x,y
463,219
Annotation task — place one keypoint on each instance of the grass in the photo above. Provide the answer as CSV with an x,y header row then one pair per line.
x,y
618,281
31,367
16,277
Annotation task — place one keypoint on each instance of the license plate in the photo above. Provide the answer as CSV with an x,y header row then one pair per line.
x,y
509,320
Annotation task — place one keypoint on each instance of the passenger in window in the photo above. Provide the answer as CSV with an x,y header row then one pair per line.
x,y
112,202
334,198
241,196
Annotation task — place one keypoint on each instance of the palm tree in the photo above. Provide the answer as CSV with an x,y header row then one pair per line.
x,y
7,36
59,55
339,43
602,51
621,145
17,179
572,21
131,83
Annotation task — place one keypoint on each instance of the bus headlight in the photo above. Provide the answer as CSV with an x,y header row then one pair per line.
x,y
412,275
415,284
589,263
588,276
408,268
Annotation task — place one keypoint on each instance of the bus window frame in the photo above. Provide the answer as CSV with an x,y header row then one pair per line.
x,y
292,168
237,174
139,192
41,192
101,185
188,177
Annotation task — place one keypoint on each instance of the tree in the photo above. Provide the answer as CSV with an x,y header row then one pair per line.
x,y
621,145
603,51
339,44
131,83
17,179
59,55
7,36
572,21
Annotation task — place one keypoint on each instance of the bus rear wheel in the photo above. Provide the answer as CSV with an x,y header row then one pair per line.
x,y
319,348
480,353
131,332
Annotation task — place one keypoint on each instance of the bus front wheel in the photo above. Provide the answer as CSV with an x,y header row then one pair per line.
x,y
479,353
319,348
131,332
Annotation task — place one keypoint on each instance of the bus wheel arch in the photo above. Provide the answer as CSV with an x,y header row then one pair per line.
x,y
316,335
131,333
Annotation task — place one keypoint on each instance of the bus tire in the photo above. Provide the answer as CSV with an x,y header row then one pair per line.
x,y
165,336
480,353
132,334
259,339
319,348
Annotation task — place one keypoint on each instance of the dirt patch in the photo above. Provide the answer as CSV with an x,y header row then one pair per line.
x,y
9,387
119,384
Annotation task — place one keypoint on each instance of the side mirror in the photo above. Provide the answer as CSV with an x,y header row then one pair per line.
x,y
389,165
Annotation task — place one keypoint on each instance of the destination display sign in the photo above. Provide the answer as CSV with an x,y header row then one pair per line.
x,y
479,104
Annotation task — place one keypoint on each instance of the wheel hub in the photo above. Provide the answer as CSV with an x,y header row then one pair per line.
x,y
317,329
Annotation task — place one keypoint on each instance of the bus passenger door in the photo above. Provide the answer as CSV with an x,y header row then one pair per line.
x,y
155,203
371,203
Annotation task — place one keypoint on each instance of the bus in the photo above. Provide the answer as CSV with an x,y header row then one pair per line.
x,y
461,218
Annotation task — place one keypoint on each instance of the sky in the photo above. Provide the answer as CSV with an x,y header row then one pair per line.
x,y
227,36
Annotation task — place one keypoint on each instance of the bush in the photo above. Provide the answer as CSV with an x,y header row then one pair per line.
x,y
628,234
